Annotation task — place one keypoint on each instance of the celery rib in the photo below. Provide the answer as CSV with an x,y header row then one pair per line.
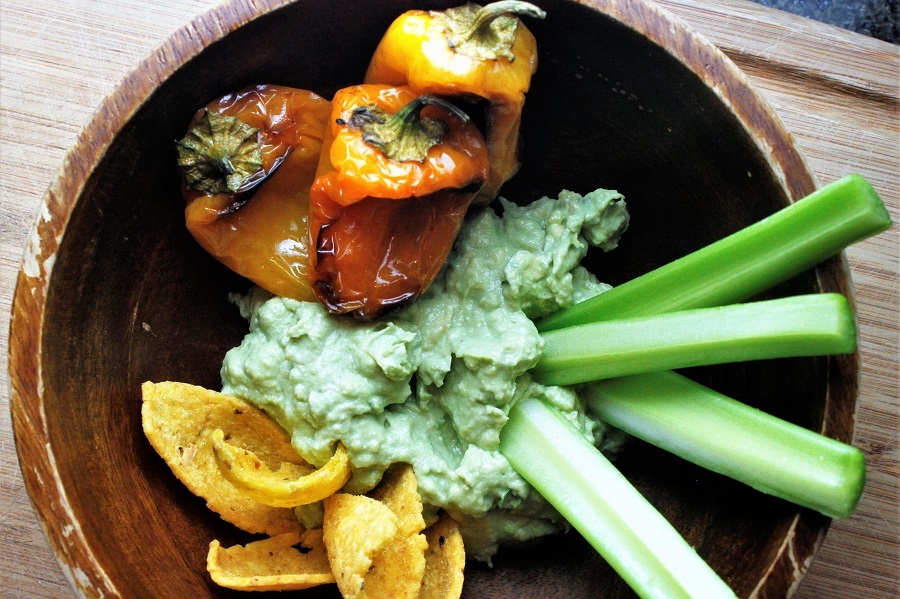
x,y
600,503
806,325
747,262
723,435
684,417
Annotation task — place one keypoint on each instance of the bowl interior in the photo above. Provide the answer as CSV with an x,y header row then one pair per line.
x,y
133,298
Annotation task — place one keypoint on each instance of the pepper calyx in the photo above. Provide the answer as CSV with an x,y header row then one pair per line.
x,y
405,136
219,154
485,32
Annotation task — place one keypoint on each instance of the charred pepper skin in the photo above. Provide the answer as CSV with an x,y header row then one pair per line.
x,y
468,51
247,164
395,179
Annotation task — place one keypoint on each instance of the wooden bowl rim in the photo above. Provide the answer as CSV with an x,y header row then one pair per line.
x,y
33,444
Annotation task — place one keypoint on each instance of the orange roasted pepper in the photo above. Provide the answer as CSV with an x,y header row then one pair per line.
x,y
396,176
247,165
483,52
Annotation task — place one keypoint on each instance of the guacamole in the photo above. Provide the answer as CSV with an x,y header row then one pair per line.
x,y
432,385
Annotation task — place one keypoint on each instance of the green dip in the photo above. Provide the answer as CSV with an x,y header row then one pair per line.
x,y
432,385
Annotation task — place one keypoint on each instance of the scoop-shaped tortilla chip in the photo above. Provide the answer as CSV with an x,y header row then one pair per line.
x,y
399,567
445,561
288,562
355,529
178,420
399,491
288,486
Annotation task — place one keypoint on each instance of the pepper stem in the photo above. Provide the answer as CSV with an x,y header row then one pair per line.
x,y
486,32
405,136
219,154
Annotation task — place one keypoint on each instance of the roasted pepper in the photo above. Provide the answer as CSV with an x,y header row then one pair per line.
x,y
483,52
396,176
247,164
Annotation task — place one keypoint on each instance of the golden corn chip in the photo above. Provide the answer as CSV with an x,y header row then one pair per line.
x,y
398,568
399,491
273,564
445,561
355,529
288,486
178,420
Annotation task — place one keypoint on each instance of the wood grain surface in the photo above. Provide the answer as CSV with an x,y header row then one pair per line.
x,y
837,93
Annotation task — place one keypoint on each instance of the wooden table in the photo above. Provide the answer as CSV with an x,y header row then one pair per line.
x,y
837,92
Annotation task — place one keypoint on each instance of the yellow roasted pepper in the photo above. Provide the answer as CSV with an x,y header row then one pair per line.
x,y
470,51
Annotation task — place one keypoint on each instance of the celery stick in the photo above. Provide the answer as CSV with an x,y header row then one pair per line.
x,y
730,270
723,435
805,325
747,262
600,503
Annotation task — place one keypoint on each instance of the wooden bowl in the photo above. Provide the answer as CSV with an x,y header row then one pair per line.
x,y
114,292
